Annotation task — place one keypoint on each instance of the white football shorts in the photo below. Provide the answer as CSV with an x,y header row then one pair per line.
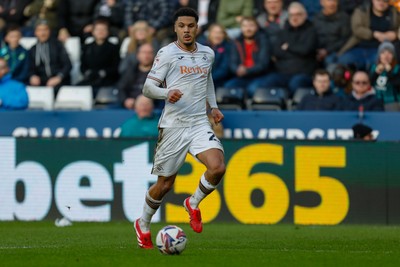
x,y
174,144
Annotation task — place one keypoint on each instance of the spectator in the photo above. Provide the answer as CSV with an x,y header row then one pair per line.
x,y
323,98
100,59
12,93
75,18
207,11
42,10
16,56
272,18
230,14
371,25
333,29
144,123
113,11
362,132
157,13
49,62
249,57
349,6
218,41
12,13
363,97
385,77
131,83
294,53
139,34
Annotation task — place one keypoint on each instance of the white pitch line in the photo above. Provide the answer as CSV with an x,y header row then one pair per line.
x,y
27,247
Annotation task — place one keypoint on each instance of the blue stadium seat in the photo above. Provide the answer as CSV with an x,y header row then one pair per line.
x,y
269,99
230,98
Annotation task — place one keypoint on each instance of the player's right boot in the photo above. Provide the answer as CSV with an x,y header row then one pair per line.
x,y
144,239
195,216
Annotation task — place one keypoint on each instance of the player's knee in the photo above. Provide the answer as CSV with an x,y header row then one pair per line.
x,y
217,170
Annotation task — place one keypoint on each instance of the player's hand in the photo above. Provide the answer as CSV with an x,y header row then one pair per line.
x,y
217,115
174,95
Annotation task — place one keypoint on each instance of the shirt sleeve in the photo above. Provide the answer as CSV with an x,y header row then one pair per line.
x,y
160,67
211,99
157,76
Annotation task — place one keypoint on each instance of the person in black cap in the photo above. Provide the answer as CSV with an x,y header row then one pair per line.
x,y
362,132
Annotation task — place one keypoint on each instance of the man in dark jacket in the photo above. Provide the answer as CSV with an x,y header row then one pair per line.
x,y
294,52
49,62
333,29
322,98
363,96
100,59
250,56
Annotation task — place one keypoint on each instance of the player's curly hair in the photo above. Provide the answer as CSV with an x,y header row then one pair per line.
x,y
186,12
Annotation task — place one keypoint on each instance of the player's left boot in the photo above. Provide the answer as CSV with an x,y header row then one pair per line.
x,y
195,216
144,239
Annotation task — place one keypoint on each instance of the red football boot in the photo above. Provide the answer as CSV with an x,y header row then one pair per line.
x,y
195,217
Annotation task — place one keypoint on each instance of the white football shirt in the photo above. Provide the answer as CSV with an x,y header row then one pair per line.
x,y
190,72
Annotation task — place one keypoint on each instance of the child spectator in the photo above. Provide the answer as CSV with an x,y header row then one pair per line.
x,y
385,77
323,98
16,56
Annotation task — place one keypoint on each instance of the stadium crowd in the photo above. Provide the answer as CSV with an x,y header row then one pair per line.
x,y
280,54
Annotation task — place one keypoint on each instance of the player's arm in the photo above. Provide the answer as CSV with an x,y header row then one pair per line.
x,y
156,76
151,89
212,101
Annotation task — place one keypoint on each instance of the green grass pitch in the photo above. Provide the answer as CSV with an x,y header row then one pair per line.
x,y
220,244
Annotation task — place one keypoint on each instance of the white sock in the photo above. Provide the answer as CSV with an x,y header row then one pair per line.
x,y
203,190
149,208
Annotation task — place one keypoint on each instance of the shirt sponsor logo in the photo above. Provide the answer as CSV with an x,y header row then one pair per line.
x,y
193,70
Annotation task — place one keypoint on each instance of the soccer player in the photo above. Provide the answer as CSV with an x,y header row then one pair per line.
x,y
184,68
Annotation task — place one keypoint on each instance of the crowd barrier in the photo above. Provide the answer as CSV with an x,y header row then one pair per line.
x,y
237,124
266,182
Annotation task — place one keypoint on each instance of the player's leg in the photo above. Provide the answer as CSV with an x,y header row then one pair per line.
x,y
153,200
170,155
208,149
213,159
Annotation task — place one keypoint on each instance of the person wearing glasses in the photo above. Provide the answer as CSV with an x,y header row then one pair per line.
x,y
363,96
293,54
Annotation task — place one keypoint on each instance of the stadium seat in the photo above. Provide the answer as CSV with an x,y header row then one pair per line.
x,y
74,98
28,42
298,96
124,47
107,97
269,99
73,47
40,97
111,39
230,98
